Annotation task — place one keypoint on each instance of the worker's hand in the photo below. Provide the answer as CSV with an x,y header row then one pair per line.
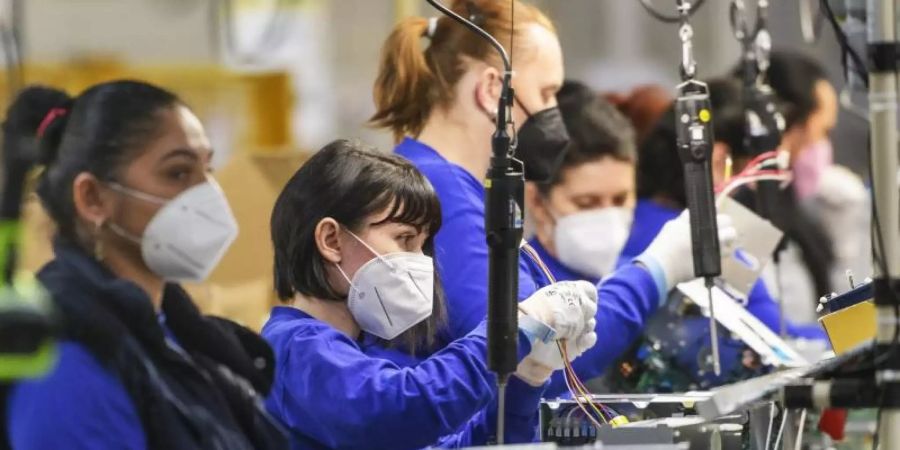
x,y
547,357
566,307
671,250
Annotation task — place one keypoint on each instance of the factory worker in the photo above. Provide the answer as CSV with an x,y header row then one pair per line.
x,y
439,101
354,270
829,228
126,181
593,193
660,188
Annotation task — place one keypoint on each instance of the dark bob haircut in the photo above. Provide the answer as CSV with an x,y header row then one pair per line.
x,y
350,182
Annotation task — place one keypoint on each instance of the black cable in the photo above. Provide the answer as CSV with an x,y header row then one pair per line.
x,y
475,29
512,29
662,17
844,42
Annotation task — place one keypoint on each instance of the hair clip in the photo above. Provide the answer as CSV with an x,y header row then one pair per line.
x,y
48,119
432,27
475,14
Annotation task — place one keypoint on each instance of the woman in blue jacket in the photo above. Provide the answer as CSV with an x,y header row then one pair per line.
x,y
439,102
353,234
126,181
592,194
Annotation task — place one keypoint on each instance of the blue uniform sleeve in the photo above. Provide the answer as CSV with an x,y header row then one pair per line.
x,y
625,301
761,304
332,393
77,406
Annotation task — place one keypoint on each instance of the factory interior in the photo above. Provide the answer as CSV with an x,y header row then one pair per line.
x,y
417,224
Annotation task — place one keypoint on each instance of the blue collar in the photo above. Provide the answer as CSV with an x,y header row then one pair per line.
x,y
283,313
419,152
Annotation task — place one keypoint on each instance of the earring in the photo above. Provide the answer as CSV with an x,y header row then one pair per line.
x,y
98,243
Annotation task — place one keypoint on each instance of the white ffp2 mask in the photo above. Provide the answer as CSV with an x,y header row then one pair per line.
x,y
188,236
590,241
391,293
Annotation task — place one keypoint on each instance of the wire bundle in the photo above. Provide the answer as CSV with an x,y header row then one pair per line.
x,y
580,393
764,167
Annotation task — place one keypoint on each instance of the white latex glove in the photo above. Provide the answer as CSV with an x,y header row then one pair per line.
x,y
548,354
570,308
671,249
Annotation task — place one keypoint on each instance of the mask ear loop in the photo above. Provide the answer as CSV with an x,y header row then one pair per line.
x,y
136,194
377,255
344,274
123,233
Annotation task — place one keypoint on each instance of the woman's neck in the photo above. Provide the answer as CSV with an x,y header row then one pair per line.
x,y
149,282
334,313
459,141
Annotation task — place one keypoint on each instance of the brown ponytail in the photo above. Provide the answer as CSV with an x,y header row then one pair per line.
x,y
413,80
403,89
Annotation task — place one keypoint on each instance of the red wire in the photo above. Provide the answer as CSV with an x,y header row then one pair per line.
x,y
762,157
749,175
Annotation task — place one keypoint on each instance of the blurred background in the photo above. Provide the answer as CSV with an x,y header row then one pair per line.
x,y
328,49
275,79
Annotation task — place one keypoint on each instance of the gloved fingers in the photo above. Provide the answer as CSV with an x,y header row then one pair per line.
x,y
727,230
573,301
589,311
589,299
533,372
547,354
589,290
566,323
727,234
585,342
590,325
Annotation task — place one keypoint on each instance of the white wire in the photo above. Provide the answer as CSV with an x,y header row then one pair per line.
x,y
799,441
747,180
784,419
771,425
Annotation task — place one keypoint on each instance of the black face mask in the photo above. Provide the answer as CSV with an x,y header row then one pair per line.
x,y
542,144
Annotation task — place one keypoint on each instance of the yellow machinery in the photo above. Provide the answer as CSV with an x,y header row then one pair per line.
x,y
849,319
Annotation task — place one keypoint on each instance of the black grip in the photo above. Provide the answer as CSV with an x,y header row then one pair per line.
x,y
767,202
503,225
704,229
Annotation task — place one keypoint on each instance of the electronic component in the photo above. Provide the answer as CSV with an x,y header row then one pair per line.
x,y
653,421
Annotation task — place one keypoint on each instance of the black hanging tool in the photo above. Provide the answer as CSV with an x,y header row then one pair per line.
x,y
763,122
504,193
693,122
